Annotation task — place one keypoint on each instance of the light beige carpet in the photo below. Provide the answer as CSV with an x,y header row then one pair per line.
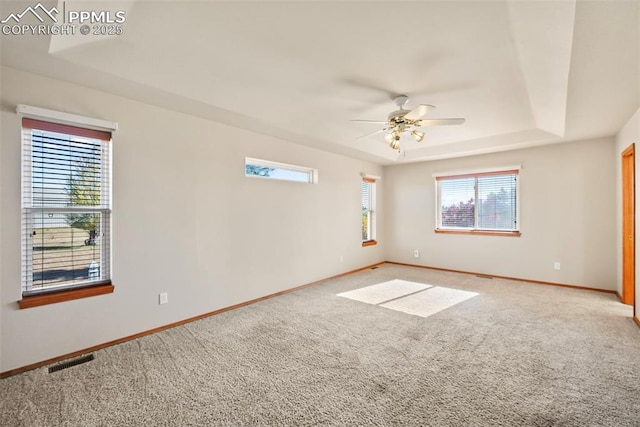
x,y
516,354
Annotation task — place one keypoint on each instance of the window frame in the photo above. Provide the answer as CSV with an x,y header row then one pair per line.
x,y
475,230
312,174
371,182
49,121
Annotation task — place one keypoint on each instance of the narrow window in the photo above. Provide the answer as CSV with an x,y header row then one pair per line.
x,y
282,171
66,208
481,203
368,211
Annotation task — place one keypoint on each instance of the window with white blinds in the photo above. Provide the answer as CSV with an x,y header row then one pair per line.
x,y
487,201
368,191
66,207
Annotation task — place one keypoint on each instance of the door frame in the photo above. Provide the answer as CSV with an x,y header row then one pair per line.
x,y
628,227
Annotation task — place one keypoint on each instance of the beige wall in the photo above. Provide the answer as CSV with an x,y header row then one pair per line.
x,y
185,221
1,228
567,214
628,135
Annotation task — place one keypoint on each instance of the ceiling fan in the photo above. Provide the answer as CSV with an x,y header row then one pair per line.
x,y
402,121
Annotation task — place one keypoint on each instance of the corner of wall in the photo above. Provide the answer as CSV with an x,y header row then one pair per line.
x,y
629,134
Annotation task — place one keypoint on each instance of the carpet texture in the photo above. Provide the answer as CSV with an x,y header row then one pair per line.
x,y
516,354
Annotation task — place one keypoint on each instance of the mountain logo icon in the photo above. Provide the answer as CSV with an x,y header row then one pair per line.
x,y
38,11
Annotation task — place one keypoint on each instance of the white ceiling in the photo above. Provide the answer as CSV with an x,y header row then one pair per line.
x,y
522,73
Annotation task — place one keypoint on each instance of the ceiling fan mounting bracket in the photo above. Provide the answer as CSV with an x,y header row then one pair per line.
x,y
401,101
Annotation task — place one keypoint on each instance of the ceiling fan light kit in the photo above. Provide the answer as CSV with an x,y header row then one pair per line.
x,y
403,121
419,136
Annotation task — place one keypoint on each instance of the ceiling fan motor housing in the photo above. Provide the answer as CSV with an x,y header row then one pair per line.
x,y
396,116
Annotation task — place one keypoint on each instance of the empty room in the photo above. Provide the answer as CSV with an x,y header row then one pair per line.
x,y
286,213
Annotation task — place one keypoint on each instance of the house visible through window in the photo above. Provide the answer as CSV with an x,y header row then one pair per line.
x,y
480,202
66,207
368,211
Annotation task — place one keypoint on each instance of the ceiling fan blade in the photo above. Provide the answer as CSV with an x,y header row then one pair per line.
x,y
366,135
439,122
369,84
368,121
419,111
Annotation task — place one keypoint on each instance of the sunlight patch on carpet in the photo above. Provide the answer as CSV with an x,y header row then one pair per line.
x,y
432,301
383,292
418,299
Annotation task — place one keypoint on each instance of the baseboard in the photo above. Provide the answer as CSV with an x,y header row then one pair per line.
x,y
635,319
540,282
171,325
253,301
619,296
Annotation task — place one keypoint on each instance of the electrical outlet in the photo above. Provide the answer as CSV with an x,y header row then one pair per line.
x,y
163,298
341,258
416,253
556,265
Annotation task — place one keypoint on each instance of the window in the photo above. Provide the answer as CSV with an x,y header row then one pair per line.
x,y
66,209
257,168
481,203
368,211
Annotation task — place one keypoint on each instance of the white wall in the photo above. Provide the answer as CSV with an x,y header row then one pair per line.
x,y
185,221
567,214
628,135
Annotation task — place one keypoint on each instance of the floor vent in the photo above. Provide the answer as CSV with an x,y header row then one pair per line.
x,y
70,363
484,276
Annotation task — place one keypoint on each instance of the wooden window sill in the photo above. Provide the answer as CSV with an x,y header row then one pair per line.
x,y
480,232
369,243
65,295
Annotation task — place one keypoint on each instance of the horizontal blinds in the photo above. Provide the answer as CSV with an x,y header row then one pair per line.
x,y
457,201
477,175
484,201
364,188
365,195
367,210
497,201
66,205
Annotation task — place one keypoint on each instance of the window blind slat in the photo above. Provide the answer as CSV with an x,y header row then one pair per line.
x,y
66,206
367,190
485,201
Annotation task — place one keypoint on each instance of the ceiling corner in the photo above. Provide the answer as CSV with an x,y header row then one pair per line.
x,y
543,37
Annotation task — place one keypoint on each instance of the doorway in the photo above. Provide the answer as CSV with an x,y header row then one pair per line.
x,y
628,227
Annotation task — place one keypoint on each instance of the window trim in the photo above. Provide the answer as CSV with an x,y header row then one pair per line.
x,y
478,232
63,295
81,126
372,209
477,173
